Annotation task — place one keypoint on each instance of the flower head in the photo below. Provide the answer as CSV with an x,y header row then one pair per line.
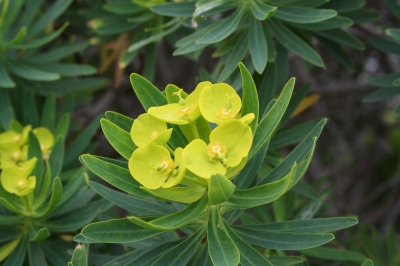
x,y
153,167
17,180
184,110
229,144
147,129
46,140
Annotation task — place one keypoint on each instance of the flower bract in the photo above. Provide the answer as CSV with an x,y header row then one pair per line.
x,y
17,180
147,129
183,112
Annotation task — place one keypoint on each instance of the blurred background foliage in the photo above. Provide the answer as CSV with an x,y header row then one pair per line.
x,y
339,52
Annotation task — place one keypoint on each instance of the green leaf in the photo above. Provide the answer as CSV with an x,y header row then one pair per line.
x,y
338,51
5,79
154,38
62,127
10,220
123,8
320,225
223,29
387,46
6,109
342,37
183,9
8,234
49,16
391,80
42,193
220,189
261,195
41,235
333,254
294,43
363,16
297,155
35,151
146,92
117,231
303,14
118,138
236,56
80,256
175,220
332,23
248,255
81,142
56,54
249,96
35,254
258,46
56,194
57,157
38,42
29,72
115,175
283,240
342,6
17,257
30,113
394,7
221,248
382,94
69,86
368,262
285,260
179,194
68,70
261,10
271,120
292,135
130,203
120,120
48,113
181,254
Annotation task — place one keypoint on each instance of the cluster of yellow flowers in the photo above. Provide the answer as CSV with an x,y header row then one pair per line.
x,y
223,150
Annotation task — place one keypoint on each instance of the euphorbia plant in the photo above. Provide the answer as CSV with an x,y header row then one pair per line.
x,y
187,187
43,195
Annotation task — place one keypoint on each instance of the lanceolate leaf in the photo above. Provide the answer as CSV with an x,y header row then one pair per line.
x,y
223,29
258,46
220,189
183,9
175,220
391,80
179,194
333,254
271,120
294,43
261,10
221,248
320,225
115,175
118,138
303,14
146,92
117,231
283,240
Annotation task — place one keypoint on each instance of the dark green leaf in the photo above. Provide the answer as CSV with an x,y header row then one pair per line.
x,y
35,254
118,138
56,54
57,157
82,141
79,257
344,6
342,37
223,29
382,94
48,113
333,254
258,46
221,248
261,10
391,80
220,189
6,109
294,43
146,92
41,235
120,120
70,86
130,203
332,23
115,175
303,14
117,231
29,72
5,79
182,9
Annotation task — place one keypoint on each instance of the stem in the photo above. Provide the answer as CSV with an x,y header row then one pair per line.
x,y
195,180
194,129
169,149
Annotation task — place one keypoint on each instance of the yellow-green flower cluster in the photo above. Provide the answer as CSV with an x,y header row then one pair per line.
x,y
15,167
154,164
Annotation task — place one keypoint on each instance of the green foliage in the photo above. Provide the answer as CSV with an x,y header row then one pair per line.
x,y
204,204
24,31
33,215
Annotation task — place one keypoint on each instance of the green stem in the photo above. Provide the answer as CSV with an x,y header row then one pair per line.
x,y
194,129
195,180
169,149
